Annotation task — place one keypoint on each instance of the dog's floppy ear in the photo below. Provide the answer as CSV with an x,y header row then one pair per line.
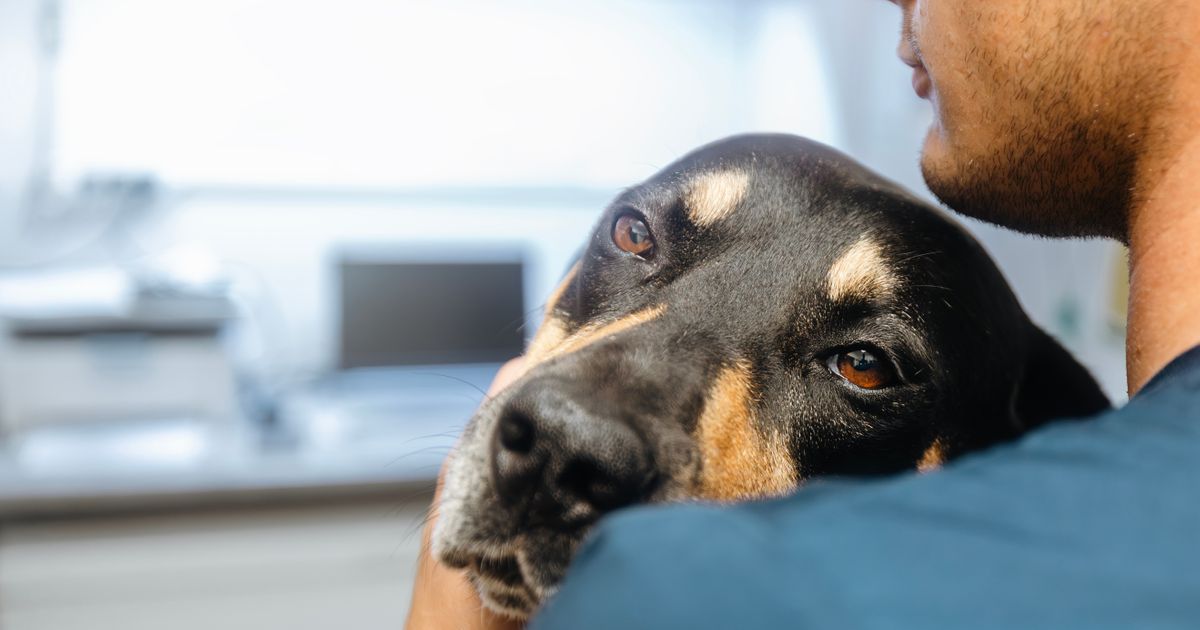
x,y
1055,385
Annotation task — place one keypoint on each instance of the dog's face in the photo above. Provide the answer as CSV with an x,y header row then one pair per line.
x,y
762,312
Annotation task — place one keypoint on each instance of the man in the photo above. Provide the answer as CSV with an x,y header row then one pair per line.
x,y
1054,117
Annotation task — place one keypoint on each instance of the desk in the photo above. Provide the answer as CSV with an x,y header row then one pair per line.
x,y
313,566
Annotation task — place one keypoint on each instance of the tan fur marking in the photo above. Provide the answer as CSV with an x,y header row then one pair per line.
x,y
862,272
713,196
737,461
553,330
552,333
934,457
592,333
553,339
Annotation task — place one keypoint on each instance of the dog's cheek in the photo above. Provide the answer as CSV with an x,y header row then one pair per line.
x,y
739,460
678,462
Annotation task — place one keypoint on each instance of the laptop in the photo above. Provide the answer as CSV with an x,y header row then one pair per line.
x,y
420,334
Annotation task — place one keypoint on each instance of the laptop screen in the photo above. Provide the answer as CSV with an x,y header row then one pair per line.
x,y
421,313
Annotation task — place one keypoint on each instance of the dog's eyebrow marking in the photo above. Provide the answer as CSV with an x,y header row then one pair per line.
x,y
712,196
737,460
861,272
934,456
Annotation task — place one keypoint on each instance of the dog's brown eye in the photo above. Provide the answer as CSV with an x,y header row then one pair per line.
x,y
631,235
862,369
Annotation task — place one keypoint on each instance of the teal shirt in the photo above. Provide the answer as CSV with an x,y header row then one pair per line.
x,y
1079,525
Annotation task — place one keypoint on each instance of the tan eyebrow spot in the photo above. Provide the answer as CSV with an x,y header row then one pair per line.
x,y
862,272
713,196
934,457
737,460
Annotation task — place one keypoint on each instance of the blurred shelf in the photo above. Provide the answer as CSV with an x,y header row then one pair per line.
x,y
364,434
272,479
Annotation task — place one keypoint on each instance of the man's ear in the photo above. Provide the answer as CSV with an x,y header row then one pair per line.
x,y
1055,385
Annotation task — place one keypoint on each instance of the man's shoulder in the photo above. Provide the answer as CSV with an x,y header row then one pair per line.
x,y
1081,524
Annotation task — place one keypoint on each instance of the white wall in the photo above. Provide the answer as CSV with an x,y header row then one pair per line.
x,y
370,94
18,85
390,114
266,98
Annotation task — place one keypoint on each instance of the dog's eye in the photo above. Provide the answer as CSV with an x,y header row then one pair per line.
x,y
632,235
862,369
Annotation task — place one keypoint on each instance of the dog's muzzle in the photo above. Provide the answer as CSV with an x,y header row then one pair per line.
x,y
573,440
557,463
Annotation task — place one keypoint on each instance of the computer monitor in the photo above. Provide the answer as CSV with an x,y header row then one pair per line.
x,y
398,310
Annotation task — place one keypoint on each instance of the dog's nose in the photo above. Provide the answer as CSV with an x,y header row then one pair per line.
x,y
564,463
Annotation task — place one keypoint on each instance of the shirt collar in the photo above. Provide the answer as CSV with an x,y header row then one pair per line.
x,y
1183,365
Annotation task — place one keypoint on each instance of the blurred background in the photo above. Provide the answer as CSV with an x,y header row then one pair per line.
x,y
259,257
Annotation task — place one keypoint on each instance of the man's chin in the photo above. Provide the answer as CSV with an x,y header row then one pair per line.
x,y
1032,196
964,185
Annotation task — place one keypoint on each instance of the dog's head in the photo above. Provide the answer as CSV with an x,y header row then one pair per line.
x,y
759,313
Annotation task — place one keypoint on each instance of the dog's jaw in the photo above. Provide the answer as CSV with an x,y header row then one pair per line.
x,y
512,572
474,532
503,594
513,576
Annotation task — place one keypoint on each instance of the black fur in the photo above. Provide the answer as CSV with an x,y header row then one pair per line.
x,y
615,421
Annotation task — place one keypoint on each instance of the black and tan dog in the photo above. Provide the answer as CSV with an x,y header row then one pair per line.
x,y
762,312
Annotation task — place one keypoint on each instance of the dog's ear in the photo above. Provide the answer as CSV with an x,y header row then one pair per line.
x,y
1054,385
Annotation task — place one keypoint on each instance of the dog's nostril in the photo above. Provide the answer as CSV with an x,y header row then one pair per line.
x,y
588,481
516,433
556,464
517,461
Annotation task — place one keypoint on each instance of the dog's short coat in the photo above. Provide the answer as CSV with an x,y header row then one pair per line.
x,y
762,312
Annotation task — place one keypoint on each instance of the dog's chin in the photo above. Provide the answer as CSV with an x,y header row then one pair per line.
x,y
512,601
514,578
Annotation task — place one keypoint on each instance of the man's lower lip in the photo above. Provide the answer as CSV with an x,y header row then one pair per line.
x,y
922,85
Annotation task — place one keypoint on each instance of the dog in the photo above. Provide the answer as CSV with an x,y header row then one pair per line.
x,y
762,312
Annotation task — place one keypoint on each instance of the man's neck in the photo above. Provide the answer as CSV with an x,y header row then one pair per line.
x,y
1164,218
1164,255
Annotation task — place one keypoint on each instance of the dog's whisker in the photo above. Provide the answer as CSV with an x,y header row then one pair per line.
x,y
456,379
420,451
450,433
523,321
417,527
914,257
